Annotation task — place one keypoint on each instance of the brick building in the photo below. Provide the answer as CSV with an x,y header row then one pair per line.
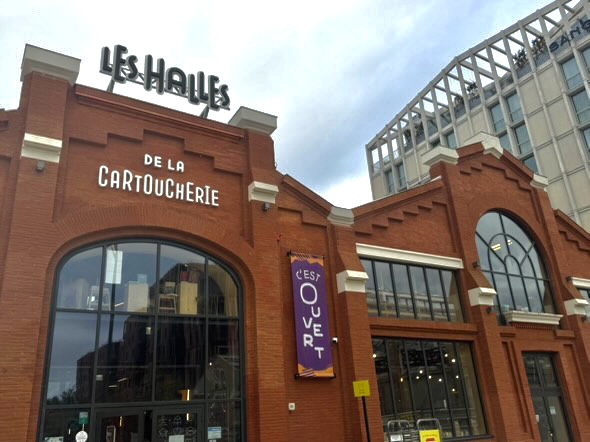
x,y
146,299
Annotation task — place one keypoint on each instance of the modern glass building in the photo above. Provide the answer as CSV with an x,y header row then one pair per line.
x,y
528,85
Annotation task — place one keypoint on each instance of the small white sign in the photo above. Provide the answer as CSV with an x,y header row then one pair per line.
x,y
54,439
213,433
176,438
552,410
81,436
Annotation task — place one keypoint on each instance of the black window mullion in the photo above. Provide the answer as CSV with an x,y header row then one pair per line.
x,y
412,294
445,294
375,285
393,288
407,361
428,293
446,384
462,377
98,322
156,321
391,378
206,369
427,380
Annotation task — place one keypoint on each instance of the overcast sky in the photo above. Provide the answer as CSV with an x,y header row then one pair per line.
x,y
334,72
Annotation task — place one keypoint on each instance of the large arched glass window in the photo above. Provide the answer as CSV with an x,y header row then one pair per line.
x,y
145,344
509,259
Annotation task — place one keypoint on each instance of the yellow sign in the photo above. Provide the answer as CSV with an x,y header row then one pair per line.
x,y
361,388
429,436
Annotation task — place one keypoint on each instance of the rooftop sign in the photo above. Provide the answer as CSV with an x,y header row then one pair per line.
x,y
196,88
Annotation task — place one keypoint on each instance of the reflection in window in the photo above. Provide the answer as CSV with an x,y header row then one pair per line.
x,y
509,259
113,303
429,379
411,292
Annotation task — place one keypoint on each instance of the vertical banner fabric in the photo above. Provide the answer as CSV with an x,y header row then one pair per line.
x,y
312,329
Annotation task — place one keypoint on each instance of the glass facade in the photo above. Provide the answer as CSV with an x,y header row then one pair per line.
x,y
510,261
412,292
428,379
148,327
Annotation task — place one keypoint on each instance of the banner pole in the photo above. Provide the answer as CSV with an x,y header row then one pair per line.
x,y
366,420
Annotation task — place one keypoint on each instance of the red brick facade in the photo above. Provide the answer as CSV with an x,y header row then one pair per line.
x,y
48,214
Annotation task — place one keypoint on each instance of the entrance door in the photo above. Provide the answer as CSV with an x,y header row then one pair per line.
x,y
547,397
182,425
123,425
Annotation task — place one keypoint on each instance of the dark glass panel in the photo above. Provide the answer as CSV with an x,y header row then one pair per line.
x,y
119,428
512,266
418,379
533,295
124,359
182,281
383,379
537,266
527,267
489,225
370,288
385,288
79,281
499,247
512,229
223,292
402,290
504,294
72,358
472,396
545,365
130,277
497,265
223,371
456,392
180,359
452,293
401,381
439,308
542,419
560,424
519,294
225,415
546,296
531,371
482,252
420,295
65,424
437,386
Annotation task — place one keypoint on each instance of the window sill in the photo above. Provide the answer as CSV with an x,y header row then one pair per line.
x,y
532,318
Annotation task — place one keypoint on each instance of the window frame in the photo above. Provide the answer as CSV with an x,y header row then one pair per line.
x,y
94,406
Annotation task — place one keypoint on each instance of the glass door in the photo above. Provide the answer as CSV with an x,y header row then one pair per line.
x,y
123,426
179,425
547,397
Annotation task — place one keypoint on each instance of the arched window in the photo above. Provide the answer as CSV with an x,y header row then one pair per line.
x,y
509,259
145,344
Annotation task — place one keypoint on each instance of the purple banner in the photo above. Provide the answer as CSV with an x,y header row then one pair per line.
x,y
312,330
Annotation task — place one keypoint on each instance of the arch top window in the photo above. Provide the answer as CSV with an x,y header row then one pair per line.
x,y
509,259
149,328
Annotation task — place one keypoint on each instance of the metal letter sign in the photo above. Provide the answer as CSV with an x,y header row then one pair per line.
x,y
312,330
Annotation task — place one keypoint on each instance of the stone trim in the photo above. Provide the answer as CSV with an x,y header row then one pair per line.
x,y
539,182
263,192
481,296
491,144
440,154
50,63
408,256
532,317
351,281
246,118
41,148
576,307
580,282
341,217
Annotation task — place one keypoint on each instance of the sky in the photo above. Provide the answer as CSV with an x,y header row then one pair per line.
x,y
333,72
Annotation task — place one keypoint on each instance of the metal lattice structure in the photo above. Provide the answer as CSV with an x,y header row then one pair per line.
x,y
528,85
